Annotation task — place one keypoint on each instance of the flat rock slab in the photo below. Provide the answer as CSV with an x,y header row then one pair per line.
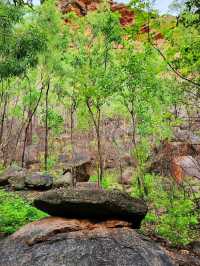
x,y
63,242
39,181
92,204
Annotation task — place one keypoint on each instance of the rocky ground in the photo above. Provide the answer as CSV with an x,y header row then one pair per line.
x,y
178,158
76,241
90,227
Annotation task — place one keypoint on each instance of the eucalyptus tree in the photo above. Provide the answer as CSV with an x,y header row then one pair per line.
x,y
20,44
147,98
94,45
51,64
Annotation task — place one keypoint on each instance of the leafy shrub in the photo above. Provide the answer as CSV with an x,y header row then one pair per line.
x,y
172,212
15,212
109,181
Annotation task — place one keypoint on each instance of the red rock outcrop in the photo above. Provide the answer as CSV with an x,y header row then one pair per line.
x,y
165,155
127,15
81,8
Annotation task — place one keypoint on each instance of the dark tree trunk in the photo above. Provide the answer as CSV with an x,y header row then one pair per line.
x,y
3,117
30,128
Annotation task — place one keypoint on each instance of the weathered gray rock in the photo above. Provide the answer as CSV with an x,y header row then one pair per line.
x,y
186,136
189,165
63,181
92,204
163,156
63,242
81,165
39,181
10,172
17,182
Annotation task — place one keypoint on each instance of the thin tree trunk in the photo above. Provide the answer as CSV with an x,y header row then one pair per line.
x,y
3,118
27,126
72,110
119,156
101,170
46,127
30,128
133,120
98,135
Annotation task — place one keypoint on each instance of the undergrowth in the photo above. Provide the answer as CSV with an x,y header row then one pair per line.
x,y
15,212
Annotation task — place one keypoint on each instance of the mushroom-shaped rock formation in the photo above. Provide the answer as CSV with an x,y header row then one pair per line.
x,y
94,204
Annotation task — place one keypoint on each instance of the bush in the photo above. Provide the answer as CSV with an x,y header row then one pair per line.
x,y
109,181
15,212
172,212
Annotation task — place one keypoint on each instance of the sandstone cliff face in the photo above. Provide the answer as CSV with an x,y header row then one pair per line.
x,y
81,8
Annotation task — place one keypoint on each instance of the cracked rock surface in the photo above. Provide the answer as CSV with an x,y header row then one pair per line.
x,y
59,241
93,204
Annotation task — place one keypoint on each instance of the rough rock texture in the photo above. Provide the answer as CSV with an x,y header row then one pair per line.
x,y
62,242
183,257
39,181
186,136
164,156
127,15
81,8
81,167
92,204
185,166
63,181
87,185
17,182
11,172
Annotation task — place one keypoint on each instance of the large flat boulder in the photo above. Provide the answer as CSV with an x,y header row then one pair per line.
x,y
95,204
70,242
39,181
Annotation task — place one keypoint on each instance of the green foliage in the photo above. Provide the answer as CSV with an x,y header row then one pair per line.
x,y
109,181
15,212
176,225
88,76
55,121
51,161
172,213
20,42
